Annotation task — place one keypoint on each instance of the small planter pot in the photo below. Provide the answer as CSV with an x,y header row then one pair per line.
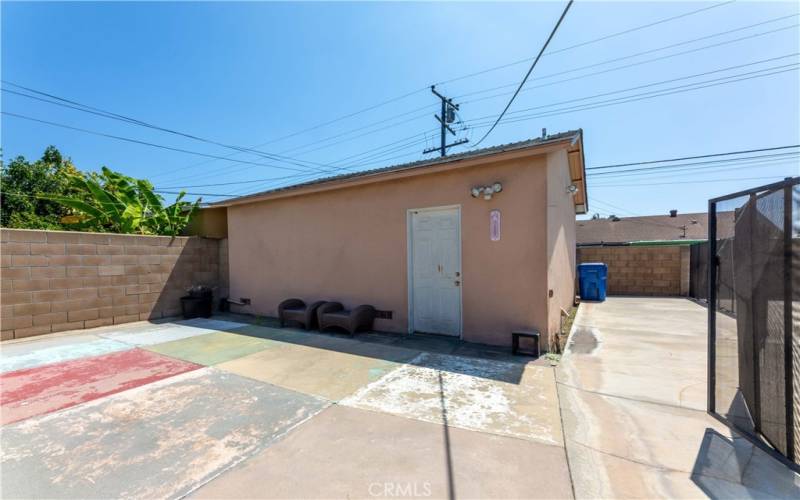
x,y
196,307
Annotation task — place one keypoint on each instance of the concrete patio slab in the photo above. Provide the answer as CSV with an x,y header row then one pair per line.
x,y
294,336
44,389
350,453
39,352
489,396
332,372
160,440
627,350
632,392
211,348
145,334
211,323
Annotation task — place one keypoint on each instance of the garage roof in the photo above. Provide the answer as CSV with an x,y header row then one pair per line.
x,y
572,140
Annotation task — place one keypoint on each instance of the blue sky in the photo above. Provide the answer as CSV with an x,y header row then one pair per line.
x,y
251,73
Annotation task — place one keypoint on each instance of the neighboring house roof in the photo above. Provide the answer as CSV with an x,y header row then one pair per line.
x,y
651,228
573,139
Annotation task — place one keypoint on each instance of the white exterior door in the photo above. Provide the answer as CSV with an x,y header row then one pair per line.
x,y
435,270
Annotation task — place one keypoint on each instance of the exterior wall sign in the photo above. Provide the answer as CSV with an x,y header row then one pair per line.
x,y
494,225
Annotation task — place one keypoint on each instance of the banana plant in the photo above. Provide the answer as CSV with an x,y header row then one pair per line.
x,y
118,203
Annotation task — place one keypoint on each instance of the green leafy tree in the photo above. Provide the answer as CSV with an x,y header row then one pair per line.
x,y
111,201
51,193
29,189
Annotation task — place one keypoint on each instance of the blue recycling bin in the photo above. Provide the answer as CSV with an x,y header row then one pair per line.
x,y
592,279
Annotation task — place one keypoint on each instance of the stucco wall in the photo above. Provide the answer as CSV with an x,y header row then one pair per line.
x,y
560,239
643,270
350,245
211,222
56,280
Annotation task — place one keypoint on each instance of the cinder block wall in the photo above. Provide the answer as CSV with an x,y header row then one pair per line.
x,y
642,270
60,280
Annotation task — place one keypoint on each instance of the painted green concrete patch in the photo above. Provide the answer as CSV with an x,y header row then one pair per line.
x,y
333,371
295,336
157,441
212,348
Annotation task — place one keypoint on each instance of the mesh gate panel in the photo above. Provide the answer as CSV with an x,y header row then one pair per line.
x,y
754,295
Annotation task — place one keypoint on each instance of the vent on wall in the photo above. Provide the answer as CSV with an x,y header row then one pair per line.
x,y
383,314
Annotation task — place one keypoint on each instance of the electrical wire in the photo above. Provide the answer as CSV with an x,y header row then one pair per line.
x,y
551,83
588,42
469,75
648,176
699,181
640,97
136,141
545,85
638,54
530,70
680,89
60,101
711,155
661,168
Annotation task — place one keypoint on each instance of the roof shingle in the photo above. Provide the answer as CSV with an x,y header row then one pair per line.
x,y
651,228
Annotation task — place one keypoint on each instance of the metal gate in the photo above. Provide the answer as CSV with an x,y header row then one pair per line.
x,y
698,271
754,314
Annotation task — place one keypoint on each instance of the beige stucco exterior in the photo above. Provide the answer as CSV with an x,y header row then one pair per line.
x,y
210,222
349,243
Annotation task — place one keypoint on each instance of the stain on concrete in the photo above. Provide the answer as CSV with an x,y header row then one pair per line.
x,y
159,440
469,393
212,348
38,353
584,340
334,371
41,390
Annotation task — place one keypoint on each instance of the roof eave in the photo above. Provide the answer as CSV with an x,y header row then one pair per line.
x,y
444,164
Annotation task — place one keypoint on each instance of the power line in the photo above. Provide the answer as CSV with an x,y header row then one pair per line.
x,y
637,54
529,88
595,40
699,181
469,75
573,100
640,97
690,171
134,121
671,80
681,89
530,70
136,141
591,104
660,168
553,83
712,155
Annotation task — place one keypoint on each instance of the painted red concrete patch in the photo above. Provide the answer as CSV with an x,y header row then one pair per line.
x,y
36,391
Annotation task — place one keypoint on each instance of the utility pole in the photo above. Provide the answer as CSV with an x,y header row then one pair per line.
x,y
449,109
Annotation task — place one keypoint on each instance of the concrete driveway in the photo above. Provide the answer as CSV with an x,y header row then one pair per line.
x,y
224,409
632,388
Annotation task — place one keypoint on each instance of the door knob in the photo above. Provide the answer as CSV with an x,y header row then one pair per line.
x,y
458,282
